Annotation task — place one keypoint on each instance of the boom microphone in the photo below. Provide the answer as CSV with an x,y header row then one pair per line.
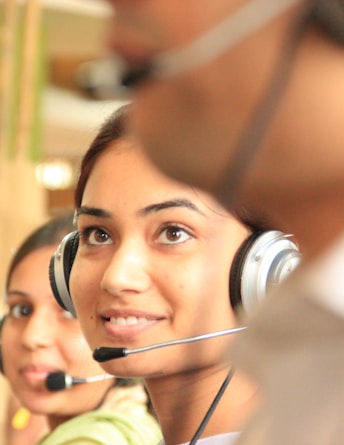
x,y
102,78
210,44
103,353
58,381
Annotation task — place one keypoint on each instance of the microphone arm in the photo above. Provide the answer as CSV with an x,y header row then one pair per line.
x,y
211,44
57,381
103,353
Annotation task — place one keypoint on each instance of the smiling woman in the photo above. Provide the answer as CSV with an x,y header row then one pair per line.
x,y
40,339
154,260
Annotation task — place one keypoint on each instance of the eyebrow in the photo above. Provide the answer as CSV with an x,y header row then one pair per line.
x,y
185,203
92,211
17,292
152,208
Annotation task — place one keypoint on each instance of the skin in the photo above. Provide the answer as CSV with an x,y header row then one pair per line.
x,y
301,157
38,337
144,256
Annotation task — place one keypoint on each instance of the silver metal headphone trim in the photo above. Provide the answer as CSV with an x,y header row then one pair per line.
x,y
258,255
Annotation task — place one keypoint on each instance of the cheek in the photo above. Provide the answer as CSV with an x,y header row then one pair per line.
x,y
10,355
200,289
78,354
84,288
84,280
215,292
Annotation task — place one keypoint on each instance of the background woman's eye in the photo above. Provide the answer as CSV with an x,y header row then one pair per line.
x,y
20,310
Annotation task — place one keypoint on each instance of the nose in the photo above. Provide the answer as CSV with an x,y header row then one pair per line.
x,y
127,271
39,331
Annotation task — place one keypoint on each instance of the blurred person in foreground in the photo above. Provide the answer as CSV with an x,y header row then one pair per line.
x,y
249,100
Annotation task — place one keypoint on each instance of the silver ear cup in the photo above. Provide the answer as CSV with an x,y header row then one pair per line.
x,y
265,260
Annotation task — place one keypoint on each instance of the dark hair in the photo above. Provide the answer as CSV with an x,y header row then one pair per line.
x,y
48,234
329,15
113,128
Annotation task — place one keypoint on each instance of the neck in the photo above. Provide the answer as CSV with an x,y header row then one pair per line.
x,y
297,177
55,420
184,401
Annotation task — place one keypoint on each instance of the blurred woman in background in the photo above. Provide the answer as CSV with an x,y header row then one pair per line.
x,y
38,339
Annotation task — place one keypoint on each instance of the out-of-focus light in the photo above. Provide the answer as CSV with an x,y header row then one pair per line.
x,y
55,174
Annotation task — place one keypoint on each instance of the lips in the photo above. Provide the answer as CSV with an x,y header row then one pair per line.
x,y
36,372
129,324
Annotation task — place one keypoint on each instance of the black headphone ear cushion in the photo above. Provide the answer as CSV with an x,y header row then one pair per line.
x,y
237,269
329,15
2,321
53,284
60,268
1,363
70,254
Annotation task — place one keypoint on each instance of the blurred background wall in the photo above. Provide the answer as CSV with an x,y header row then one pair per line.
x,y
47,115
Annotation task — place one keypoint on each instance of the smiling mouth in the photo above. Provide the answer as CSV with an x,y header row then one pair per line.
x,y
126,321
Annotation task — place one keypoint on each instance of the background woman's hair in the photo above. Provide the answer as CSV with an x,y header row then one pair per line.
x,y
48,234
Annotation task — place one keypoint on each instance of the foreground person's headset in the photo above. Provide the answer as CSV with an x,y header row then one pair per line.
x,y
262,262
103,78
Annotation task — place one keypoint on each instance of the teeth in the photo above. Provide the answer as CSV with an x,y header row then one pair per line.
x,y
127,320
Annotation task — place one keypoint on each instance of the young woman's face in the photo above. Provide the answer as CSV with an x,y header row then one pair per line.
x,y
38,337
152,265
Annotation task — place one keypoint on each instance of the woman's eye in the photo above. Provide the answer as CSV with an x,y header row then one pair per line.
x,y
20,310
95,237
173,235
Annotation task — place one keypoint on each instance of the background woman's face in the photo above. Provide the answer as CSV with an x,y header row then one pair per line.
x,y
152,265
38,337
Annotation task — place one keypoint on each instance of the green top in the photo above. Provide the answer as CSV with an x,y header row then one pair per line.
x,y
106,428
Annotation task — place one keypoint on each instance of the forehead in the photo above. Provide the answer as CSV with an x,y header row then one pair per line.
x,y
31,273
36,260
124,176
